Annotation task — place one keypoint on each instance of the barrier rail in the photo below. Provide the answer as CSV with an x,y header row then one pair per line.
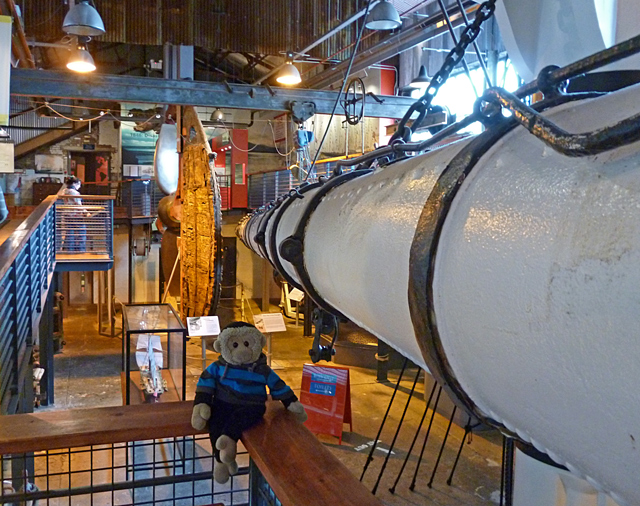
x,y
50,239
265,187
84,228
27,262
150,454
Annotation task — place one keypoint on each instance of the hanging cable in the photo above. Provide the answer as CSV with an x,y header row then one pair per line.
x,y
273,133
224,125
344,82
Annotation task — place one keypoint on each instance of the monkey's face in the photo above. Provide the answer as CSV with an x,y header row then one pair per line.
x,y
242,346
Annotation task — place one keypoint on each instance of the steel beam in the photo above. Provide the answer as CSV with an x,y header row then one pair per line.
x,y
46,83
406,39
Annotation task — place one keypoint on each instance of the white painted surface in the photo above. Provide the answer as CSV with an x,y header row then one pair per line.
x,y
537,284
538,296
537,484
166,162
358,241
560,32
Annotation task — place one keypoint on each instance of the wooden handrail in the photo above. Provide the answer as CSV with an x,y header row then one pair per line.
x,y
16,242
87,197
301,471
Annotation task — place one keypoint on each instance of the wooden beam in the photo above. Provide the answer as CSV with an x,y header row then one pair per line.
x,y
48,138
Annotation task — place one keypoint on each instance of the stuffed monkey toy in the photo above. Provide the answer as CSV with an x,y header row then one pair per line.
x,y
231,393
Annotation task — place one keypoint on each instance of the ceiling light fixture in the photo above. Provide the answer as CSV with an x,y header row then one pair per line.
x,y
80,59
422,79
289,75
217,115
383,16
83,19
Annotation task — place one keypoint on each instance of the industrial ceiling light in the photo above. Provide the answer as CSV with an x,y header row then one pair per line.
x,y
422,79
289,75
80,59
217,115
83,19
383,16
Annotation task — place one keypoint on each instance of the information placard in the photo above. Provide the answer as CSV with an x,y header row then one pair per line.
x,y
203,326
296,295
269,322
326,396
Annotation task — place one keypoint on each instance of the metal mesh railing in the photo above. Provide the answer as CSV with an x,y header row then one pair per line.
x,y
171,471
84,226
140,197
266,186
224,183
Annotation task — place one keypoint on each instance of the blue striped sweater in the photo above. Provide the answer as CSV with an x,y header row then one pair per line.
x,y
242,384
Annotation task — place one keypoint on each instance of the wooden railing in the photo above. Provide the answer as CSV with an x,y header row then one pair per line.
x,y
297,467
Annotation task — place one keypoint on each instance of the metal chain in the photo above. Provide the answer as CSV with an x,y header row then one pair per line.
x,y
455,56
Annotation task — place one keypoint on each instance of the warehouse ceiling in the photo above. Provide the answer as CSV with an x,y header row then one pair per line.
x,y
237,41
233,41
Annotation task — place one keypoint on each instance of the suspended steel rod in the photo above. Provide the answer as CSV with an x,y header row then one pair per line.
x,y
467,430
444,442
395,437
426,438
375,442
426,409
506,479
463,13
455,42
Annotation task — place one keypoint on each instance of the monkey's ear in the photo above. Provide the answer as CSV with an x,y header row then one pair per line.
x,y
263,340
217,345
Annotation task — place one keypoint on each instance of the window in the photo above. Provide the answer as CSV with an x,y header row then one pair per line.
x,y
239,173
457,94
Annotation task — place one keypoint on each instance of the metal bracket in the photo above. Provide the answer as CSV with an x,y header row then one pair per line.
x,y
325,323
302,111
375,97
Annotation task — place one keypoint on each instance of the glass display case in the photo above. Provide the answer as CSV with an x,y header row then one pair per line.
x,y
153,354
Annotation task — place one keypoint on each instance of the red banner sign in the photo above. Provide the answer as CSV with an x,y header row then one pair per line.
x,y
326,395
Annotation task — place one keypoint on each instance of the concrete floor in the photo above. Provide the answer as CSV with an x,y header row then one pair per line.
x,y
87,374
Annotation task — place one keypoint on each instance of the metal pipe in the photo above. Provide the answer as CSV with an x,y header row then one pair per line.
x,y
509,271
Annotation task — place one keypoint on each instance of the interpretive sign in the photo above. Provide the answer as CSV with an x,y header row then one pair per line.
x,y
269,322
203,325
326,395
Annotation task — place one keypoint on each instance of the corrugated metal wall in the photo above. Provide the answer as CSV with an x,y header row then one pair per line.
x,y
32,123
256,26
